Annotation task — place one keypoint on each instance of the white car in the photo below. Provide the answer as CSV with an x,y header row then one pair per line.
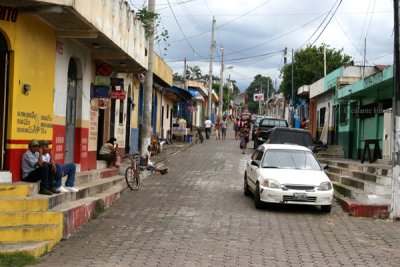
x,y
287,174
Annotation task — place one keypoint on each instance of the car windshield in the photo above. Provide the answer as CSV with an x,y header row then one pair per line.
x,y
271,122
292,137
290,159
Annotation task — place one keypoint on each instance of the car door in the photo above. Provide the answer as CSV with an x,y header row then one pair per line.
x,y
253,170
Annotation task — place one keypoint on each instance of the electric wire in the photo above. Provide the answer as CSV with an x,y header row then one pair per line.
x,y
222,25
180,28
320,25
326,25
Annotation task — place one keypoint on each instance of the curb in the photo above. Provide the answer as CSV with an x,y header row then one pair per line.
x,y
358,209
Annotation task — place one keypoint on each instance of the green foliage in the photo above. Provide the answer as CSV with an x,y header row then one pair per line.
x,y
259,85
17,259
148,18
309,67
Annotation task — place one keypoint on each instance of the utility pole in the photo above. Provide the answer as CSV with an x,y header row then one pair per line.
x,y
292,111
148,87
221,86
324,60
395,194
259,101
211,70
184,75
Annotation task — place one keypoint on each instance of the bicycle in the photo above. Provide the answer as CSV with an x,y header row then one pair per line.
x,y
199,135
132,172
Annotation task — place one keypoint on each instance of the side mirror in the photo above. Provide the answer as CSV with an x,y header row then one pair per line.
x,y
254,163
325,166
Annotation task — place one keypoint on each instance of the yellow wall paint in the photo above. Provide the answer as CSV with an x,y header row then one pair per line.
x,y
135,111
32,62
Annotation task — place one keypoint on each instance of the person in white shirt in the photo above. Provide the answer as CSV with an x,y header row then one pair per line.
x,y
208,125
57,171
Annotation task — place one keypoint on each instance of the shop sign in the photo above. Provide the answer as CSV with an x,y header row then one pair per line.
x,y
8,13
100,91
102,80
117,82
118,94
104,69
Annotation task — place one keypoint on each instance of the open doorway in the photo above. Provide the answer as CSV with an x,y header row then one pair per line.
x,y
4,68
71,111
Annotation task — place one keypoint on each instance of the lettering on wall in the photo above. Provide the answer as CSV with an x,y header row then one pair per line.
x,y
59,148
92,142
8,13
33,123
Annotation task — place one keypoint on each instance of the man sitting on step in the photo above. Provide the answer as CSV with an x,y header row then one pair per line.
x,y
33,169
58,171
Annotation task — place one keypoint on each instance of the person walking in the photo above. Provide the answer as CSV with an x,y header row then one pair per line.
x,y
236,127
207,126
244,136
224,123
218,128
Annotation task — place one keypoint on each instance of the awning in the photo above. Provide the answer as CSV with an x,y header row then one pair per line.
x,y
196,95
182,94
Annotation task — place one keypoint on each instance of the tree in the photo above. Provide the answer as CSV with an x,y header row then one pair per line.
x,y
259,85
193,73
309,67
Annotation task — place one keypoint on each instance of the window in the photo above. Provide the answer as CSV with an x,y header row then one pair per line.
x,y
343,112
121,112
167,111
322,117
286,159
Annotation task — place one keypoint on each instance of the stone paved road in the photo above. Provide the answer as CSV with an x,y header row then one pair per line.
x,y
197,215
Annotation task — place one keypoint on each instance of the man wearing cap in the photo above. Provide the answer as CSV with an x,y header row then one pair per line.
x,y
33,169
58,171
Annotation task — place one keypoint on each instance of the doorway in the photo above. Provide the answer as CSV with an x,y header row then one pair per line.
x,y
4,68
128,122
71,111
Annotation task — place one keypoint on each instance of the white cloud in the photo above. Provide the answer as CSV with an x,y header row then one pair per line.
x,y
271,27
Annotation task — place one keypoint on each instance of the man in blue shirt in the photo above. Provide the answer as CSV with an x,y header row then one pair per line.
x,y
33,169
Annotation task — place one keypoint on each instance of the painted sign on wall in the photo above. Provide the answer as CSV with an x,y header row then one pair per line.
x,y
33,123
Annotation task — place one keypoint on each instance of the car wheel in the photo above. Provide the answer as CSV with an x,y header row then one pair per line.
x,y
257,201
246,190
326,208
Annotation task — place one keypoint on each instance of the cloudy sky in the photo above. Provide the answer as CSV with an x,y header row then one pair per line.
x,y
254,33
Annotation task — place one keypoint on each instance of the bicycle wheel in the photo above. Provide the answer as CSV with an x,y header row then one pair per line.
x,y
132,178
197,138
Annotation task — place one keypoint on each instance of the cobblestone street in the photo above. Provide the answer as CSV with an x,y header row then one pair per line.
x,y
197,215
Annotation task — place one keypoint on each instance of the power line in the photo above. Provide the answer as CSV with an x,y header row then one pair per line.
x,y
319,26
326,25
180,28
278,37
202,33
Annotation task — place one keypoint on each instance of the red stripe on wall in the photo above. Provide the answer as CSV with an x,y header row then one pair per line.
x,y
13,163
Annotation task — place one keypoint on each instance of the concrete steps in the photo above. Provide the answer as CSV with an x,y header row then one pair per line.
x,y
35,223
333,151
362,189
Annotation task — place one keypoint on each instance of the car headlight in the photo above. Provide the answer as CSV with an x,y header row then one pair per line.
x,y
325,186
271,183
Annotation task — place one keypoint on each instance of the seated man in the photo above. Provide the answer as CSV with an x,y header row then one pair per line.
x,y
151,166
33,169
58,171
